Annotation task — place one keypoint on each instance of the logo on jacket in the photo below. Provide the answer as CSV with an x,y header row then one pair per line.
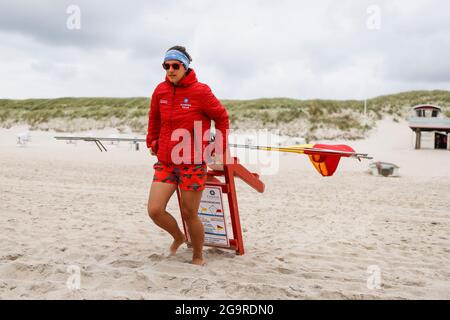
x,y
185,104
163,101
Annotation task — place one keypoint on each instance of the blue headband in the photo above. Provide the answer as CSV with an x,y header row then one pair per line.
x,y
177,55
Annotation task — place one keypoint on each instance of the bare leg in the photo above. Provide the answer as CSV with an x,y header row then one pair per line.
x,y
160,194
190,201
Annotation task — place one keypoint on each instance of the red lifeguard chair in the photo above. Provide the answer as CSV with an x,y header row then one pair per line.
x,y
216,213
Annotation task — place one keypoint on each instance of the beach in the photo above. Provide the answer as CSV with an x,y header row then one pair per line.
x,y
74,225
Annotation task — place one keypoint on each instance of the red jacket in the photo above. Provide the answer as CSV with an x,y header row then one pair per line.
x,y
178,107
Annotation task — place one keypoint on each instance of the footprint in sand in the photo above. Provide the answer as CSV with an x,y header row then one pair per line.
x,y
127,264
250,264
11,257
156,257
284,270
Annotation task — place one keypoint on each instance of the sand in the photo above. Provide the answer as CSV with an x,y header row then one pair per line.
x,y
67,209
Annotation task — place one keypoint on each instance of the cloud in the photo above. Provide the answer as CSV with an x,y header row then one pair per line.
x,y
242,49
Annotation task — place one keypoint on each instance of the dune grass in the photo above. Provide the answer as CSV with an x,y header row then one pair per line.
x,y
341,115
38,111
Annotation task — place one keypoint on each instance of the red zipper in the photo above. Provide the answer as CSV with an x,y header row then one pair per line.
x,y
171,113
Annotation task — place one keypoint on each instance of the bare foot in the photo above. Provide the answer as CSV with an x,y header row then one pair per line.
x,y
198,261
176,244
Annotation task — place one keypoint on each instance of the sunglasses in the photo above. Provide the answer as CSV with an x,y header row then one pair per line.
x,y
175,66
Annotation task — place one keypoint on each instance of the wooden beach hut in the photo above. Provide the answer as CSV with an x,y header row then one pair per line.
x,y
429,118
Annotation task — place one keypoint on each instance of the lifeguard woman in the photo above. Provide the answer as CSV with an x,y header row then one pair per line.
x,y
180,114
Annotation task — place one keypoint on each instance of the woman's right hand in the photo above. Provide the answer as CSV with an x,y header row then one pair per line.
x,y
154,148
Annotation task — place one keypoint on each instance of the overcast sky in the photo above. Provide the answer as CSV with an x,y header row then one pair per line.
x,y
242,49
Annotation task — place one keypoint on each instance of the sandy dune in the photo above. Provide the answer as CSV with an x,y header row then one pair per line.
x,y
351,236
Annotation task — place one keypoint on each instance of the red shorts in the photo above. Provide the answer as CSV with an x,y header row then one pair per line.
x,y
187,176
